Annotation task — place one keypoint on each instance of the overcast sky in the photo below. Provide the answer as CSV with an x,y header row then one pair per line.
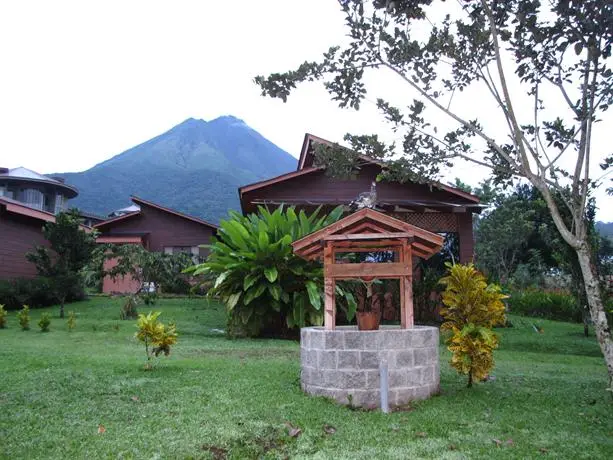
x,y
81,81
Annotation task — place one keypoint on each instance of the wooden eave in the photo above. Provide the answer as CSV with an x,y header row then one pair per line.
x,y
16,207
306,149
366,229
120,239
197,220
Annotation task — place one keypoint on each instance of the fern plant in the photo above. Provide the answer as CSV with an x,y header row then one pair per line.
x,y
24,318
472,309
265,287
3,315
156,336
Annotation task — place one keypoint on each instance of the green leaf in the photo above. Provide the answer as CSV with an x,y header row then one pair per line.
x,y
263,241
220,279
254,293
271,274
352,305
249,281
232,301
314,296
275,291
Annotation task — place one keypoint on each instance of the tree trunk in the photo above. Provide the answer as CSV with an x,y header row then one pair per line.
x,y
62,308
470,379
597,312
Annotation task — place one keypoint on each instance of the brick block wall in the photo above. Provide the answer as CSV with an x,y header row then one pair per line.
x,y
343,364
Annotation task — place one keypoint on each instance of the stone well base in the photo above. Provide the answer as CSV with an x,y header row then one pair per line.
x,y
343,364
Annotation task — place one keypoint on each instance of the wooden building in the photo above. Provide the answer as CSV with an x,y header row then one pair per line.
x,y
156,228
437,208
20,231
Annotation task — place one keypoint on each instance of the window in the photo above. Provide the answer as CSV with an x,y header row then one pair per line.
x,y
59,203
33,198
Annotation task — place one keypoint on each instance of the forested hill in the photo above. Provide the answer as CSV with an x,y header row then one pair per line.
x,y
605,229
196,167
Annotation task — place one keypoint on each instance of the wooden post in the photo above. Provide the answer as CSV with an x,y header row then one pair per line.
x,y
406,290
329,289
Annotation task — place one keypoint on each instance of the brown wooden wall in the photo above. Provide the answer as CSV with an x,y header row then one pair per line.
x,y
164,229
18,236
321,188
317,185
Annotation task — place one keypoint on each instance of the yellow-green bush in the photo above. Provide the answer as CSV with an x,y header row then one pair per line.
x,y
472,309
44,322
156,336
72,320
3,314
24,318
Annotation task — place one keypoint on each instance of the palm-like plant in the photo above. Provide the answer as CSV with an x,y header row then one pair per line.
x,y
253,270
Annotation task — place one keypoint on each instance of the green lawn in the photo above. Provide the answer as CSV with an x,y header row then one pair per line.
x,y
216,398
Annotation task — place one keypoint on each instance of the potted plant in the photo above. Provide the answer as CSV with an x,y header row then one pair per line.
x,y
369,307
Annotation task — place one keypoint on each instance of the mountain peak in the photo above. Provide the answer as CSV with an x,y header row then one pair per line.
x,y
192,122
196,166
228,119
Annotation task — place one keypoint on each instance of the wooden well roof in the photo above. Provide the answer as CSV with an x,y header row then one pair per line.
x,y
372,229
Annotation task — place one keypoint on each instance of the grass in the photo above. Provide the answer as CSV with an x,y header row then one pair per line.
x,y
217,398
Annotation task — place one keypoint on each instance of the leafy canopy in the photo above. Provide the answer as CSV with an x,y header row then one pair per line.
x,y
542,66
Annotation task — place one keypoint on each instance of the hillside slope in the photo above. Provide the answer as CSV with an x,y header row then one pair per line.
x,y
195,167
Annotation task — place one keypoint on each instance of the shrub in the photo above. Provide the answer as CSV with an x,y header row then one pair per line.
x,y
72,320
24,318
556,305
472,309
3,314
156,336
44,322
267,290
128,311
34,292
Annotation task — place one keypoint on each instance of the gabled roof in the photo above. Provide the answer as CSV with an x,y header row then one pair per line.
x,y
305,162
369,225
140,202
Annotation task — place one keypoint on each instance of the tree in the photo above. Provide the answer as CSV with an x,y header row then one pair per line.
x,y
165,271
71,250
559,52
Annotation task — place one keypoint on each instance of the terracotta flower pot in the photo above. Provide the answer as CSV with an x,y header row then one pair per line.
x,y
368,320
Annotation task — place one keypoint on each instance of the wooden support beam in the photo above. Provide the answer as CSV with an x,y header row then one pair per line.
x,y
376,270
368,244
406,292
368,236
329,291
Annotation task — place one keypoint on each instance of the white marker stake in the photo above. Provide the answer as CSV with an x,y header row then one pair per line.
x,y
384,386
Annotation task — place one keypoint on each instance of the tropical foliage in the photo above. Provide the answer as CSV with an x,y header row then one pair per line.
x,y
472,309
157,336
265,287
